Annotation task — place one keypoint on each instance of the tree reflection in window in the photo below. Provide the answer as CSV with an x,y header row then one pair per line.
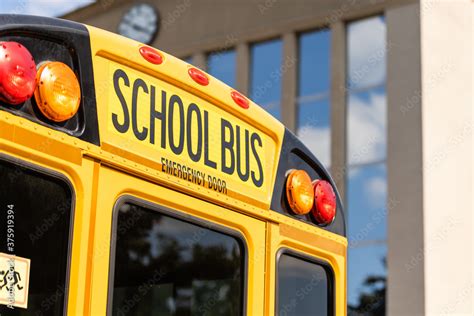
x,y
166,266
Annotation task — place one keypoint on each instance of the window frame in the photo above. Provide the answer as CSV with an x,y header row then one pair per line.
x,y
181,216
51,173
314,260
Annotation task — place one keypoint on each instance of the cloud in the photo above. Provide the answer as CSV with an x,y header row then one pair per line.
x,y
367,128
366,131
367,51
51,8
376,190
317,139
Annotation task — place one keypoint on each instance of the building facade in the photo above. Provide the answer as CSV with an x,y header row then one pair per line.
x,y
381,91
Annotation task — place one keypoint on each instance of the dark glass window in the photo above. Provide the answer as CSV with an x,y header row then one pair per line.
x,y
167,266
303,288
42,211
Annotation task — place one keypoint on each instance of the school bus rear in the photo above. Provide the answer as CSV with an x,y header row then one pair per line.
x,y
165,193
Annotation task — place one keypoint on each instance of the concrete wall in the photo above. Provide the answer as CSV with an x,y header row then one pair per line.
x,y
185,23
447,102
404,163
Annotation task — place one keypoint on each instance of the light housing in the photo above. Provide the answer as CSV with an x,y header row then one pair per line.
x,y
299,192
58,93
324,208
17,73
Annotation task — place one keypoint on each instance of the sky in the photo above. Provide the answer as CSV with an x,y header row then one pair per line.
x,y
52,8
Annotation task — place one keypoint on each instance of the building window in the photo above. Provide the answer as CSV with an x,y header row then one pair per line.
x,y
313,119
265,81
161,268
222,65
366,169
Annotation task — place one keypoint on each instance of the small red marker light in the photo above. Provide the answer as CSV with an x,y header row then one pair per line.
x,y
198,76
151,55
241,101
17,73
324,208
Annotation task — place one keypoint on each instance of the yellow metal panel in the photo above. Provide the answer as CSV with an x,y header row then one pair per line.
x,y
318,246
263,141
37,146
114,184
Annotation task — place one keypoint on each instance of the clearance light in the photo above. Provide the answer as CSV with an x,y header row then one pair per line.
x,y
151,55
299,192
324,209
239,99
58,93
198,76
17,73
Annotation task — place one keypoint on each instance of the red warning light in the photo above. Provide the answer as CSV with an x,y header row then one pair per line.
x,y
324,208
17,73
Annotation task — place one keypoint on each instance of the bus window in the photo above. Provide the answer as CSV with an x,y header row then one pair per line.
x,y
35,221
303,288
166,266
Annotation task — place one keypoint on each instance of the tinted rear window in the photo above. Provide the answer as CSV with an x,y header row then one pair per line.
x,y
168,266
35,214
303,288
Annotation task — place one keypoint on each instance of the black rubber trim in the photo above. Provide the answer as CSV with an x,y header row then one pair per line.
x,y
295,155
75,37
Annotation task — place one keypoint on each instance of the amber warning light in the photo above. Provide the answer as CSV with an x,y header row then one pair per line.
x,y
57,94
304,196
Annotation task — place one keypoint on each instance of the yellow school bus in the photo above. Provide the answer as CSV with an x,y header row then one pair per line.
x,y
133,183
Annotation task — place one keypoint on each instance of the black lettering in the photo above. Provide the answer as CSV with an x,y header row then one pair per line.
x,y
193,108
163,162
154,114
169,167
207,161
258,182
139,83
227,145
122,128
224,187
177,149
243,176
